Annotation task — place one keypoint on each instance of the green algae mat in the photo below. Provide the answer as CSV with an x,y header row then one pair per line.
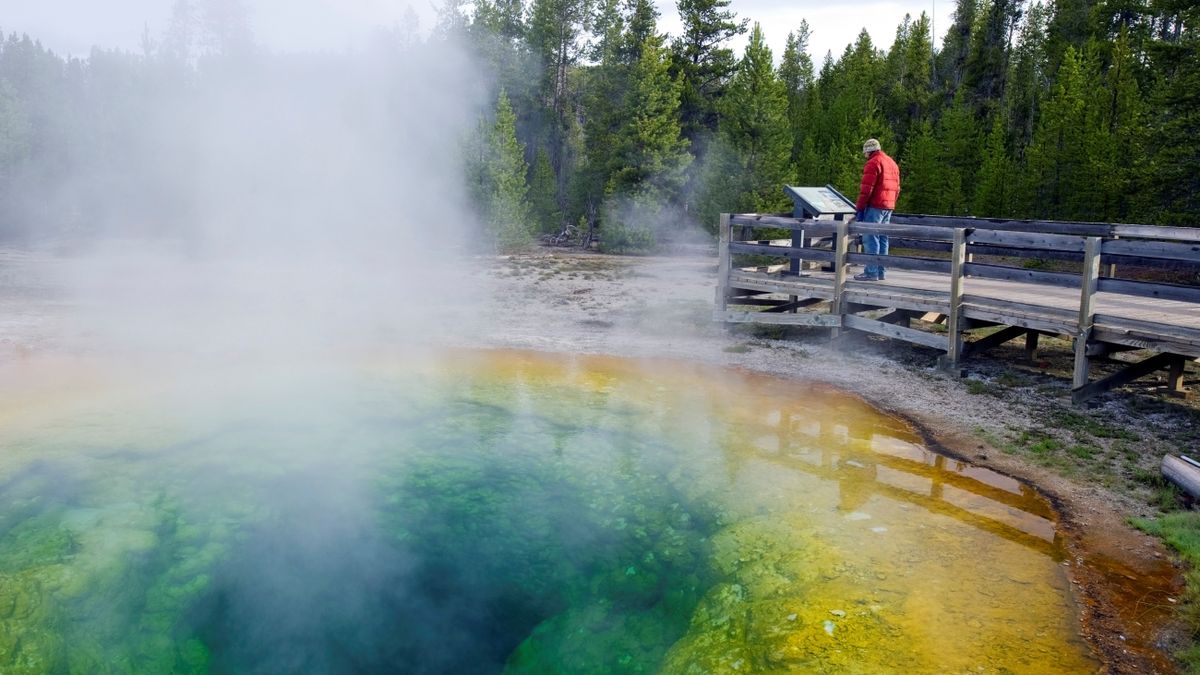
x,y
485,512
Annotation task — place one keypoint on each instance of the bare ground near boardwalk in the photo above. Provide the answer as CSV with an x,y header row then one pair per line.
x,y
1097,464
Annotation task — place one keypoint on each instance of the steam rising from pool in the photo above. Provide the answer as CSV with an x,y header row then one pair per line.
x,y
487,512
281,204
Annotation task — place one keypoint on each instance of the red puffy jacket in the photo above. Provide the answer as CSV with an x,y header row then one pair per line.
x,y
880,183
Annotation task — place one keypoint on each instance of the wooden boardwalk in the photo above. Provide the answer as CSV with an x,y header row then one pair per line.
x,y
1096,308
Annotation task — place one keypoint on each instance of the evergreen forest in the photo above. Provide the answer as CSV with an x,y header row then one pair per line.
x,y
592,121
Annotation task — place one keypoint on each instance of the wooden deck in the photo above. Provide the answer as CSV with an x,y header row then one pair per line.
x,y
1097,309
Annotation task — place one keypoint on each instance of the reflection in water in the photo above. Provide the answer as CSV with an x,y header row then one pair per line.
x,y
901,469
510,512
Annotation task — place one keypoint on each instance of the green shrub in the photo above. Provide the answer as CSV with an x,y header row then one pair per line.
x,y
619,238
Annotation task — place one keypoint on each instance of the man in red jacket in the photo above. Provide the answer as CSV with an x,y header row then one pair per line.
x,y
876,199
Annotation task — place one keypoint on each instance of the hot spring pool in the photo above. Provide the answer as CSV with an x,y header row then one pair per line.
x,y
504,512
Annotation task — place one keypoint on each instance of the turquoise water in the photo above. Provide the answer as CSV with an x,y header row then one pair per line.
x,y
502,512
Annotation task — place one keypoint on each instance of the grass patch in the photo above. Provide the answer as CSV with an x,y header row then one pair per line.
x,y
1106,431
1148,477
976,387
1167,497
1010,379
1181,531
1089,426
1082,451
1046,446
741,348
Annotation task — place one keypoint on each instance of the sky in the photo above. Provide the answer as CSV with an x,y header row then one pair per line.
x,y
74,26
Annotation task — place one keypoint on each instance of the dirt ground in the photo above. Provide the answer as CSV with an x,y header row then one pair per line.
x,y
1098,465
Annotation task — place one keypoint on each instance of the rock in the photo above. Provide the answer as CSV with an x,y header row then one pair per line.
x,y
838,613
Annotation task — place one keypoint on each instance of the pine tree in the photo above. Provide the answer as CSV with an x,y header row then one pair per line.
x,y
649,155
605,89
496,37
1055,170
554,39
226,26
180,41
508,203
1176,168
956,47
754,126
503,18
959,136
909,76
921,170
543,195
986,68
14,129
554,29
1028,78
809,166
850,114
993,197
641,28
15,132
796,74
702,63
1071,27
1123,118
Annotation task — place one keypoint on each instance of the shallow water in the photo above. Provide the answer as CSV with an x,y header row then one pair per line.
x,y
501,511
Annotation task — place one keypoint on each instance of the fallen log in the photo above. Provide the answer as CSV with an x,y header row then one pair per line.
x,y
1183,472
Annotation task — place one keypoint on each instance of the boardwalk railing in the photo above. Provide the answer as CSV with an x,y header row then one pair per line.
x,y
943,280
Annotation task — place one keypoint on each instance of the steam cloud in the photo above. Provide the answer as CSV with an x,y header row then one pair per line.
x,y
267,203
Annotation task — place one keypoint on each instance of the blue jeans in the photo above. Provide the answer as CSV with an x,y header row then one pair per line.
x,y
875,244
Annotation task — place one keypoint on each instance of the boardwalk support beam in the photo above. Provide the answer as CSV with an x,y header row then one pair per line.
x,y
995,340
1133,372
1031,345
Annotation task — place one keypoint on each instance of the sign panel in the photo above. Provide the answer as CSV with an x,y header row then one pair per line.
x,y
813,202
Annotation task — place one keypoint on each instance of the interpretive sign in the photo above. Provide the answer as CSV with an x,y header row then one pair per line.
x,y
823,203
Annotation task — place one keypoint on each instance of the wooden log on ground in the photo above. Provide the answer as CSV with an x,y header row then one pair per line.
x,y
1182,473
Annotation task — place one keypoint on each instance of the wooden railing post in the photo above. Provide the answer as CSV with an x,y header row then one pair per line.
x,y
723,265
841,244
1089,280
958,256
